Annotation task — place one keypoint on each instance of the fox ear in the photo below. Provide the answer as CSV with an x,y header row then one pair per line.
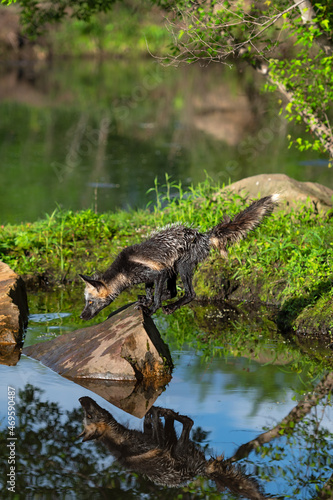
x,y
92,282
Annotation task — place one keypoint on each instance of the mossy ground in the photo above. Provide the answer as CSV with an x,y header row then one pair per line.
x,y
286,262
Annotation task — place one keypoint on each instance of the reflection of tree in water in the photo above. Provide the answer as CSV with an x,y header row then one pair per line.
x,y
303,454
53,463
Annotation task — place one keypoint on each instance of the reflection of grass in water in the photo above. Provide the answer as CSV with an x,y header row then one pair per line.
x,y
125,30
236,348
66,304
240,342
49,145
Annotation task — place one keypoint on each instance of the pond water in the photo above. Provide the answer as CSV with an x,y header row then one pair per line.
x,y
81,134
95,134
235,378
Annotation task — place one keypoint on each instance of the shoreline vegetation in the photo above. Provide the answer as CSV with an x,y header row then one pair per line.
x,y
285,263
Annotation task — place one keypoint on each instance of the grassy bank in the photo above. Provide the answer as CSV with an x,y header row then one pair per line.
x,y
286,262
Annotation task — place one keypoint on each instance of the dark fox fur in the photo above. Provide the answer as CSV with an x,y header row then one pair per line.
x,y
159,454
177,249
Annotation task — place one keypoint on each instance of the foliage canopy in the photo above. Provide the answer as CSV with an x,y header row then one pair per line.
x,y
290,42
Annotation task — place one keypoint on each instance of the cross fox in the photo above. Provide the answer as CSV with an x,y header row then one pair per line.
x,y
172,251
159,454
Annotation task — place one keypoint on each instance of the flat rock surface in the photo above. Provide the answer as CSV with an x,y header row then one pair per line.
x,y
127,346
13,306
292,191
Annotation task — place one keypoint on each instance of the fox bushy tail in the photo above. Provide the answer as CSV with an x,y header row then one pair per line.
x,y
230,231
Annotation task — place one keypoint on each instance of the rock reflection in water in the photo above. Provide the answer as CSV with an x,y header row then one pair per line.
x,y
9,354
159,454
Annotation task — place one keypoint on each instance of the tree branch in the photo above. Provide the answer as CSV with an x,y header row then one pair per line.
x,y
307,12
318,127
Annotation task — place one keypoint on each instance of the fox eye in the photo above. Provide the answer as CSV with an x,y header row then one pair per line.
x,y
90,302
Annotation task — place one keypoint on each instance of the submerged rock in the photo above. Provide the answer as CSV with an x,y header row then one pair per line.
x,y
133,397
13,306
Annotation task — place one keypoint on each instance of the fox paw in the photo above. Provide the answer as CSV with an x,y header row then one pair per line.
x,y
146,310
168,309
143,301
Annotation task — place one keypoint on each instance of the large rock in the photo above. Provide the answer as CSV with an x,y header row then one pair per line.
x,y
292,192
123,359
13,306
127,346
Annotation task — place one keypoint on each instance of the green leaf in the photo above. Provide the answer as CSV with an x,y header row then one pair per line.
x,y
325,24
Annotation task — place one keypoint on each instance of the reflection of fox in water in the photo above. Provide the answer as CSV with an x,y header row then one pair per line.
x,y
159,454
173,250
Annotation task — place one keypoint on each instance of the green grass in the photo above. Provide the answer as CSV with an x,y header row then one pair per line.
x,y
65,242
287,261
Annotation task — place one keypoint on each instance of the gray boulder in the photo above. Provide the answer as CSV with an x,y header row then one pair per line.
x,y
292,192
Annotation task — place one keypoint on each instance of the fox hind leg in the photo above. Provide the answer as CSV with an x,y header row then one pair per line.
x,y
186,275
171,287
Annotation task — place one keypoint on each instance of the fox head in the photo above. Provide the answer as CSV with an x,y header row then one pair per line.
x,y
97,297
96,419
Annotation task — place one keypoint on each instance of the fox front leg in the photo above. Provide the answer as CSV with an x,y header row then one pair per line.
x,y
146,300
158,293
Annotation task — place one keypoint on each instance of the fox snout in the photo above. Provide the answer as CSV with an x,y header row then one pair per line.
x,y
93,307
95,419
87,314
96,296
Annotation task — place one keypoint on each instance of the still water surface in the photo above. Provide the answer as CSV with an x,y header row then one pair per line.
x,y
82,134
233,390
95,134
